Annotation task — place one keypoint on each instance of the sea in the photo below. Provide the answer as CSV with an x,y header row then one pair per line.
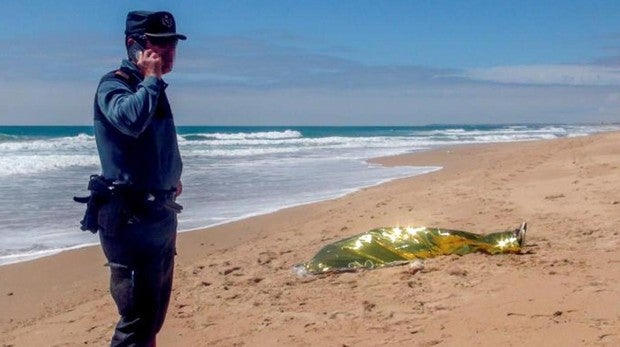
x,y
229,173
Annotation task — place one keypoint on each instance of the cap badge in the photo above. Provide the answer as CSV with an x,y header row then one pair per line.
x,y
166,20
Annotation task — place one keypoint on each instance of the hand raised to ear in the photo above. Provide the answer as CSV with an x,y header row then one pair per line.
x,y
149,63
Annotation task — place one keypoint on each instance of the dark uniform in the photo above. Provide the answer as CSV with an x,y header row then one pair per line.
x,y
137,144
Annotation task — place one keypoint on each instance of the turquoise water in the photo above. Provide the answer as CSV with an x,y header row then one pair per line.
x,y
313,131
229,172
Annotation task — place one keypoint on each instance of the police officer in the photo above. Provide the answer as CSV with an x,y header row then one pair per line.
x,y
140,159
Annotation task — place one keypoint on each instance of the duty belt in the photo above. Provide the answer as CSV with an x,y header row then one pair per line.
x,y
128,200
164,198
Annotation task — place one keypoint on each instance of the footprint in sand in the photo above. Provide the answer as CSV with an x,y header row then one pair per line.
x,y
265,258
230,270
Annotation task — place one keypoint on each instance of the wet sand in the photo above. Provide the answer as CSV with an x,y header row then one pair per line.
x,y
234,285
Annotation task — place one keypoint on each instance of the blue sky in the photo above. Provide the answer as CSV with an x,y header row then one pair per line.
x,y
327,62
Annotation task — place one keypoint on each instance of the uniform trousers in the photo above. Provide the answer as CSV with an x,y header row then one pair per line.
x,y
140,256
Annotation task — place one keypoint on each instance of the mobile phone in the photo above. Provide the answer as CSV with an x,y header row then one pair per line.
x,y
134,51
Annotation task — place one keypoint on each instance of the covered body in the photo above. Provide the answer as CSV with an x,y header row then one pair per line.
x,y
391,245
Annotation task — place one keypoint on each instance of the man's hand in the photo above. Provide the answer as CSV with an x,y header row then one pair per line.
x,y
179,189
149,63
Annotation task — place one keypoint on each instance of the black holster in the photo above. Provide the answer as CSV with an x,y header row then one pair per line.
x,y
105,207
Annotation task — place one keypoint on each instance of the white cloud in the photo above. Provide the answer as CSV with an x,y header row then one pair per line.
x,y
568,75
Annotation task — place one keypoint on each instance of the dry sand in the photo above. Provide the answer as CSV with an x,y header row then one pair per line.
x,y
234,284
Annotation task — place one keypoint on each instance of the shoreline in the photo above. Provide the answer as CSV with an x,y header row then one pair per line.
x,y
378,161
52,252
200,217
234,282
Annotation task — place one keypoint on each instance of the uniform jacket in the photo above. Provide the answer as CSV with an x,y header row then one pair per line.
x,y
135,132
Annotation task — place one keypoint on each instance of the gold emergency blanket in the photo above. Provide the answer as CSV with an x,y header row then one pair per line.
x,y
393,245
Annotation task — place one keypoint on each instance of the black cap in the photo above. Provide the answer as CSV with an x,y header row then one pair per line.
x,y
153,24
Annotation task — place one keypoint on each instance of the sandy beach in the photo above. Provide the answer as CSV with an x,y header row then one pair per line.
x,y
234,285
